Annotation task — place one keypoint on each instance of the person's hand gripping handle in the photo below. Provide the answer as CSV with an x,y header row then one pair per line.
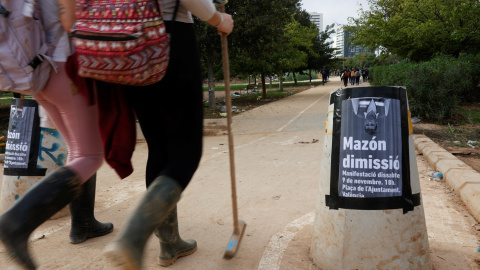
x,y
221,20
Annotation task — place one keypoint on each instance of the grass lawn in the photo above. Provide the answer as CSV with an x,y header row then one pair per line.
x,y
275,85
246,102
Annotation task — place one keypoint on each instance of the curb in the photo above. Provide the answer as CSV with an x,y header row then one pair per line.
x,y
461,177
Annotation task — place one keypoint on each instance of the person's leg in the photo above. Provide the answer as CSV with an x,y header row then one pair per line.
x,y
126,251
174,138
84,223
78,121
38,204
174,134
172,246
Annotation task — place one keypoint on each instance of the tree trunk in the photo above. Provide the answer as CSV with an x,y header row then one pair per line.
x,y
271,79
211,87
264,87
310,75
280,80
294,78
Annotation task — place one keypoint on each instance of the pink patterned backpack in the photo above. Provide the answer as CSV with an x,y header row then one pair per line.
x,y
121,41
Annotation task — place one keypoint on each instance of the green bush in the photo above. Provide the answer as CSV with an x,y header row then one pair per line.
x,y
435,88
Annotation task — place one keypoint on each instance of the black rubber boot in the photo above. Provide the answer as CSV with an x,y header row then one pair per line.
x,y
172,246
126,251
84,224
37,205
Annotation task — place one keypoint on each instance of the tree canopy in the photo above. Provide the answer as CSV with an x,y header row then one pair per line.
x,y
269,37
419,29
361,60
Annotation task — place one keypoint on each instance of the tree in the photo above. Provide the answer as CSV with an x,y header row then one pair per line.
x,y
323,53
419,29
320,53
292,54
361,60
259,33
210,53
385,59
270,36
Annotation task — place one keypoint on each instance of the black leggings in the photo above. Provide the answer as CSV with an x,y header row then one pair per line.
x,y
170,112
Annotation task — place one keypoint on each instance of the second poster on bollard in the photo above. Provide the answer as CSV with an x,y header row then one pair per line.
x,y
21,151
370,167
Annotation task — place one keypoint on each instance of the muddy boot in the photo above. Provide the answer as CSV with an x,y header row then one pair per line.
x,y
126,251
84,224
37,205
171,244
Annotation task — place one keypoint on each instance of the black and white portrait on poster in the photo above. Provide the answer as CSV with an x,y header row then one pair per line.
x,y
370,164
19,136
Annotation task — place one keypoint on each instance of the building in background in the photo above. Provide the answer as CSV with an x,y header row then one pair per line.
x,y
344,49
317,19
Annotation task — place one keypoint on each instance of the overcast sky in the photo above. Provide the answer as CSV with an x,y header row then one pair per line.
x,y
335,11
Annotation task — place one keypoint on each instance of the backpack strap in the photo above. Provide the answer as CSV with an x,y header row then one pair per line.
x,y
39,58
174,13
3,11
176,10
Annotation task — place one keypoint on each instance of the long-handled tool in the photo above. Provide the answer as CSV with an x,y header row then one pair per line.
x,y
238,225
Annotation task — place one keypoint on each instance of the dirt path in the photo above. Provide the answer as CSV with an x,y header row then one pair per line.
x,y
278,149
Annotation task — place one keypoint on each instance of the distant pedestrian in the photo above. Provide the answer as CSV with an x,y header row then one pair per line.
x,y
357,77
346,75
324,73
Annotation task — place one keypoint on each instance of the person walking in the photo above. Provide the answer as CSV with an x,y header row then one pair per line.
x,y
324,73
174,137
84,225
357,76
352,76
76,119
346,75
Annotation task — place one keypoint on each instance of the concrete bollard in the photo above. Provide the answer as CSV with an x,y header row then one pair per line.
x,y
31,152
369,213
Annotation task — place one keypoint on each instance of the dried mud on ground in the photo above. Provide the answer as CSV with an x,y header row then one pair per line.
x,y
454,139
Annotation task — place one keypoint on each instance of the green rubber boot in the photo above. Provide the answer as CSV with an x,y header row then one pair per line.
x,y
126,251
172,246
37,205
84,223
